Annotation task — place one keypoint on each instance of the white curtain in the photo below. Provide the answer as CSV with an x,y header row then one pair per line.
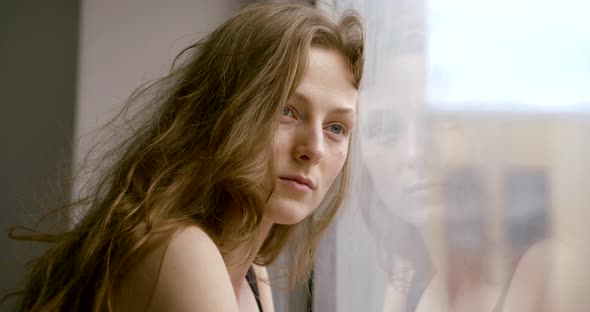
x,y
472,177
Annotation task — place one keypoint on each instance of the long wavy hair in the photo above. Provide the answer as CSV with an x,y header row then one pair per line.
x,y
200,155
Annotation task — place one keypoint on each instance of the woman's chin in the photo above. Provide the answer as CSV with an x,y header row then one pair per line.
x,y
417,216
414,211
285,216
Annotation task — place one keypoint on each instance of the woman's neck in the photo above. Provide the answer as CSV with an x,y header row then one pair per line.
x,y
238,270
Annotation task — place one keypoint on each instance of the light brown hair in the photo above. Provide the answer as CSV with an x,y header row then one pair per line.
x,y
196,160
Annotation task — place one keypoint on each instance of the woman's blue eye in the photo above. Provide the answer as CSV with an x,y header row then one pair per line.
x,y
287,111
336,129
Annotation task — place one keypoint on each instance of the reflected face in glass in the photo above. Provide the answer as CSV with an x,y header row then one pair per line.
x,y
396,144
311,143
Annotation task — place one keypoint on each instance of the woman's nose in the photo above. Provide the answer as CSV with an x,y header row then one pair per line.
x,y
310,145
416,145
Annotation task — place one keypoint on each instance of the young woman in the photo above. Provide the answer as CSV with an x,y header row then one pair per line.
x,y
247,144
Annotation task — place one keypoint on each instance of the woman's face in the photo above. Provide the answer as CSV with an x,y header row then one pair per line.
x,y
395,151
311,142
397,143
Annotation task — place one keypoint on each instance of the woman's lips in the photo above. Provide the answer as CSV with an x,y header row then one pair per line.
x,y
292,183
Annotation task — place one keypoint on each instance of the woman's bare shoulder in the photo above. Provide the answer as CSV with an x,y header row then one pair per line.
x,y
187,274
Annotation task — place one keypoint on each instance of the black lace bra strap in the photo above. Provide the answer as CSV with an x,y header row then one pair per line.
x,y
251,278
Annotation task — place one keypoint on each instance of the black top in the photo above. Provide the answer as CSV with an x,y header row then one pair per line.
x,y
251,278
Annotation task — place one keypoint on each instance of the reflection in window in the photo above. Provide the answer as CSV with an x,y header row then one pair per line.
x,y
465,204
526,198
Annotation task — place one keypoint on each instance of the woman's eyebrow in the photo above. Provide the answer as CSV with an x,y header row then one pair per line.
x,y
344,111
298,96
301,97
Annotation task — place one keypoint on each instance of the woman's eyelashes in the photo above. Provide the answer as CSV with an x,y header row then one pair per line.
x,y
338,129
288,112
335,128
